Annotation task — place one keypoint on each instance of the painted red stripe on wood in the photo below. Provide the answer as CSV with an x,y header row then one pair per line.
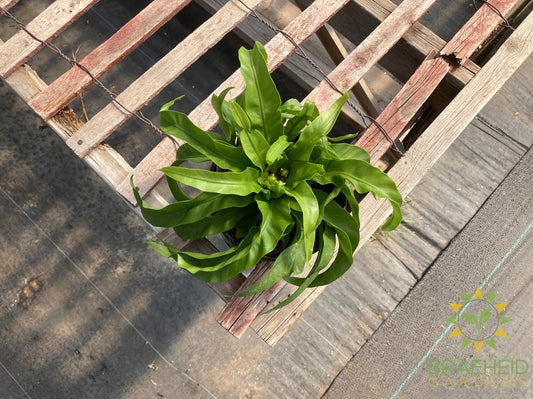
x,y
403,107
478,28
239,312
117,47
47,25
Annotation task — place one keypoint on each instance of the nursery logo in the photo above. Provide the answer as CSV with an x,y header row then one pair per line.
x,y
478,320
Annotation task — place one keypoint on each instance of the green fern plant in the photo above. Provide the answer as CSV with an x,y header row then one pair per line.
x,y
277,178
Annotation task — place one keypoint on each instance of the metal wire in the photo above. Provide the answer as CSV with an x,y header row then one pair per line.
x,y
495,10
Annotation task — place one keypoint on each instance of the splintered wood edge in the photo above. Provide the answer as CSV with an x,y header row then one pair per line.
x,y
424,153
403,107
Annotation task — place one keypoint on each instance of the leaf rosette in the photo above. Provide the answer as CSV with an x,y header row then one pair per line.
x,y
277,178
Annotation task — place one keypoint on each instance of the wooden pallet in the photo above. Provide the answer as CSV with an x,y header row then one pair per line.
x,y
445,76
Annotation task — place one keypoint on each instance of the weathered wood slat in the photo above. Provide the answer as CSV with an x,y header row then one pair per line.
x,y
403,107
124,41
370,50
415,45
279,48
239,312
7,4
281,13
454,119
336,50
159,76
473,34
52,21
427,77
462,179
352,309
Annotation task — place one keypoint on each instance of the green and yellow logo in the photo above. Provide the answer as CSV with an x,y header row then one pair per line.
x,y
478,320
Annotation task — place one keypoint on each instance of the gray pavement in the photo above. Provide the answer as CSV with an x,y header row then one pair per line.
x,y
495,252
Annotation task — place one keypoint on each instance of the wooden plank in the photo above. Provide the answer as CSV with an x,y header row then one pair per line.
x,y
239,312
370,51
403,107
473,34
159,76
117,47
279,48
7,4
432,144
453,120
47,25
352,309
462,179
337,51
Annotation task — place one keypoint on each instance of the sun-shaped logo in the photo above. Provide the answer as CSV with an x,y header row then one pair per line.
x,y
478,320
